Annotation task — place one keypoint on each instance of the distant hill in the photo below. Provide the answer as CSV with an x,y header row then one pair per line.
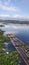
x,y
15,21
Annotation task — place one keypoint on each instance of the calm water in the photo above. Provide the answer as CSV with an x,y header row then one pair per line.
x,y
21,31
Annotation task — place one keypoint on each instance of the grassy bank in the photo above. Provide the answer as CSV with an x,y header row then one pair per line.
x,y
7,59
3,39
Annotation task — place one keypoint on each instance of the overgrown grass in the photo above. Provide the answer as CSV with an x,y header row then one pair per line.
x,y
7,59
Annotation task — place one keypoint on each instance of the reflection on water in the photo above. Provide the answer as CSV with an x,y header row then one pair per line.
x,y
24,36
22,31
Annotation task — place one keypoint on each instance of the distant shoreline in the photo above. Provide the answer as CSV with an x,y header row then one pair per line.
x,y
14,22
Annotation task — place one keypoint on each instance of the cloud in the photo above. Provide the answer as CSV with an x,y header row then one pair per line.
x,y
5,15
4,7
7,5
17,17
21,17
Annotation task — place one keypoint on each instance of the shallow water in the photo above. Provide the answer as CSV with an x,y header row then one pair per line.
x,y
9,47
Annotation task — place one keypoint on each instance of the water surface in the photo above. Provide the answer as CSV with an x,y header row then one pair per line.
x,y
20,30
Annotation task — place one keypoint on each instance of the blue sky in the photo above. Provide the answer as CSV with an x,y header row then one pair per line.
x,y
14,9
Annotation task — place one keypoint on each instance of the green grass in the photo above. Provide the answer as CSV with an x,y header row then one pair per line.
x,y
3,39
7,59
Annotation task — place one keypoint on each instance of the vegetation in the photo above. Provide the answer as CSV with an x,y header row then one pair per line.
x,y
7,59
1,25
3,39
26,49
14,21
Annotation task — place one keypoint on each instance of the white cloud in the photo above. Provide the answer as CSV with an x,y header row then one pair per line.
x,y
21,17
1,15
18,17
4,7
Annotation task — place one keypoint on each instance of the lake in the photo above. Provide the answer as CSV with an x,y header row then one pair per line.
x,y
20,30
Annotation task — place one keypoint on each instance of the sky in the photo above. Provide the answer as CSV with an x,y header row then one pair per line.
x,y
14,9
